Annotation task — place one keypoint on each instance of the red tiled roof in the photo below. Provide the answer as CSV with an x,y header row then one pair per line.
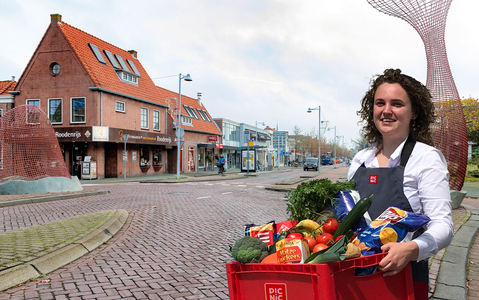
x,y
7,86
198,125
269,128
104,76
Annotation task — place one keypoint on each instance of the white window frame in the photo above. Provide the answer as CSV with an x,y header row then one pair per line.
x,y
1,112
28,100
48,110
71,111
188,121
124,106
144,115
158,115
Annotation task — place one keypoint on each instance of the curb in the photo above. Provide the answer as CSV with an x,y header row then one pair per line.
x,y
61,257
51,198
452,277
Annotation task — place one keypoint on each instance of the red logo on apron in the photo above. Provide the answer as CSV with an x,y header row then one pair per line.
x,y
373,179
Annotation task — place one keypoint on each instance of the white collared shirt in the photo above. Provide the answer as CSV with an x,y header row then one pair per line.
x,y
426,186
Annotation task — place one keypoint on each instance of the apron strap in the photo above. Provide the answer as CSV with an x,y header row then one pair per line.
x,y
407,150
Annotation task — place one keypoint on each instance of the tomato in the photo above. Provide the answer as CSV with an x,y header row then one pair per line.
x,y
295,235
331,225
337,239
311,242
326,238
319,247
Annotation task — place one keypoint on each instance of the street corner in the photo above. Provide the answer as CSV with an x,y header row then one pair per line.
x,y
75,237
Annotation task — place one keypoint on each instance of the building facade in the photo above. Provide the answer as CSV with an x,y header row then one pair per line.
x,y
103,105
6,99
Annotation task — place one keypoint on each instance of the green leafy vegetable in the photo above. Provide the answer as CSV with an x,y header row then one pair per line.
x,y
310,197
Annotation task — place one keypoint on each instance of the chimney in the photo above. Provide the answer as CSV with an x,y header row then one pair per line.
x,y
199,98
13,78
133,53
56,18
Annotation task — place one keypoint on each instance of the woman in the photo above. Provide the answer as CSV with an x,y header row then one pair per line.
x,y
403,169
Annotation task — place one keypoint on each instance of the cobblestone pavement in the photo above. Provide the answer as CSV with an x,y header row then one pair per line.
x,y
172,245
28,243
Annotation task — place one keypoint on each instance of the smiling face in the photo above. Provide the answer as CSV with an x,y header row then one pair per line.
x,y
392,111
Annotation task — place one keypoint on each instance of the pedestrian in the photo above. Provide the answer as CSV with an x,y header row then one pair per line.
x,y
221,164
402,168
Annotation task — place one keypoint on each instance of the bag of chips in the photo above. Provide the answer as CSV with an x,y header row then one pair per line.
x,y
264,232
391,226
345,201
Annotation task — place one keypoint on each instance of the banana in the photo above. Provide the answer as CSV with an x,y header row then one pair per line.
x,y
310,226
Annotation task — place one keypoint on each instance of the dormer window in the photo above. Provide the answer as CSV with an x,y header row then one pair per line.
x,y
127,77
186,121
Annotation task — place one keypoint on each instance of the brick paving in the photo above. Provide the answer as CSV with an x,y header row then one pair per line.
x,y
22,245
172,245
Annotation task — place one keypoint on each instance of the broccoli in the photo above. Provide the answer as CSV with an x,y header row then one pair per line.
x,y
249,250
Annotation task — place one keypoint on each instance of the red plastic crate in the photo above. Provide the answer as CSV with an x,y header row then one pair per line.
x,y
332,281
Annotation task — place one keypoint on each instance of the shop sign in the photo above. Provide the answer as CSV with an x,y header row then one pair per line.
x,y
100,134
212,138
219,145
139,137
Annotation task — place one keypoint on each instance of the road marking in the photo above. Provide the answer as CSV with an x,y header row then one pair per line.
x,y
204,197
242,185
209,184
259,186
227,193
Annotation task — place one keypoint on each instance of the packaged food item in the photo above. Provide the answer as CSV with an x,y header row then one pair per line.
x,y
284,226
345,201
391,226
291,251
264,232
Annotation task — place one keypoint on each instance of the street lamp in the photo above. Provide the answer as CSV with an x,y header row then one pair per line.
x,y
319,135
334,145
178,132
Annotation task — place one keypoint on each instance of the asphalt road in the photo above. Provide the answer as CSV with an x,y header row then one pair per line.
x,y
173,245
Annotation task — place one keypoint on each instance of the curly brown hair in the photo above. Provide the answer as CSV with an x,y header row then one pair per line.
x,y
421,103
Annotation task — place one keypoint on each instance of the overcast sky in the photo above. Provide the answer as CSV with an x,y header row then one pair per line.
x,y
254,60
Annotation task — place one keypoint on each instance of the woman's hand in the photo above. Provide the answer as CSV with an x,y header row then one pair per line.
x,y
399,255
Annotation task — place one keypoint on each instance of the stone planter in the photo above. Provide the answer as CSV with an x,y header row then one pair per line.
x,y
456,198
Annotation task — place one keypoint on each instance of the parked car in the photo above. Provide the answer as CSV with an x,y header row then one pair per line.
x,y
311,164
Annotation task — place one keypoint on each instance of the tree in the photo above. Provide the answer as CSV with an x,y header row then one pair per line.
x,y
470,107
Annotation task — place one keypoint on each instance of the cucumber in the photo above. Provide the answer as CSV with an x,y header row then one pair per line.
x,y
353,216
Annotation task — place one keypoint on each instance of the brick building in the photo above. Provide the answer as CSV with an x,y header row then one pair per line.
x,y
96,95
6,99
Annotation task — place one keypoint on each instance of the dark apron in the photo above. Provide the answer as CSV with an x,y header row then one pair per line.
x,y
386,186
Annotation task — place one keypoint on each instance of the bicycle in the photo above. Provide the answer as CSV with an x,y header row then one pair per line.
x,y
221,170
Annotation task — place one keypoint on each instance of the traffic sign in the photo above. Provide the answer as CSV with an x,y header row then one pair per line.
x,y
180,132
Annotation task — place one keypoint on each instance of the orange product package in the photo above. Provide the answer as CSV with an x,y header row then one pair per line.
x,y
292,251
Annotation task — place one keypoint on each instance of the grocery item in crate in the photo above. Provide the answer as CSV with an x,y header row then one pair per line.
x,y
391,226
284,226
249,250
345,201
292,250
264,232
